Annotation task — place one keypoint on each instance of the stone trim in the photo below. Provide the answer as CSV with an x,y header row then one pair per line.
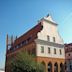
x,y
50,22
43,42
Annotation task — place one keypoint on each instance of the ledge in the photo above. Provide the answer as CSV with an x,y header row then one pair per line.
x,y
43,42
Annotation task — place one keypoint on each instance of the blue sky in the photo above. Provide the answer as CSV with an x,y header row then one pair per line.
x,y
18,16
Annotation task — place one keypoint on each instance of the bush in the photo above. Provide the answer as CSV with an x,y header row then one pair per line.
x,y
23,62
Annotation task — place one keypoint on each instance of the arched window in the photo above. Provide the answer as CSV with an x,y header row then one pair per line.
x,y
43,63
49,67
55,67
61,67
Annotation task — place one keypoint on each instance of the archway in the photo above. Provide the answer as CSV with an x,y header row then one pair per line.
x,y
61,67
55,67
49,67
44,65
65,66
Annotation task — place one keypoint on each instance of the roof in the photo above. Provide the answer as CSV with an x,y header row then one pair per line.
x,y
31,32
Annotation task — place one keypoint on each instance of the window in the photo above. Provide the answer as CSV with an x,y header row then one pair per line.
x,y
29,38
16,46
19,45
48,38
60,52
9,46
42,49
24,42
53,39
70,67
68,54
54,51
48,49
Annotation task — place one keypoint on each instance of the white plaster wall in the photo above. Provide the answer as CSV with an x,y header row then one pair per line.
x,y
46,54
51,30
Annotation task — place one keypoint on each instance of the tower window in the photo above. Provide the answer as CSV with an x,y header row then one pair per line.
x,y
48,38
42,49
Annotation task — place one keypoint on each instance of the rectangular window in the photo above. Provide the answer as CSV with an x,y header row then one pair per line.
x,y
70,67
24,42
48,49
29,38
42,49
60,52
53,39
48,38
54,51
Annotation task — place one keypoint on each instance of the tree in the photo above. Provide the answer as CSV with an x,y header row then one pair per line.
x,y
23,62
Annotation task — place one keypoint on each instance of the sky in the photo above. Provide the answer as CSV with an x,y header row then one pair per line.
x,y
18,16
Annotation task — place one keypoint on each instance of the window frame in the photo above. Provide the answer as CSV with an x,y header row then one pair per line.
x,y
49,51
48,38
42,49
60,52
54,40
54,50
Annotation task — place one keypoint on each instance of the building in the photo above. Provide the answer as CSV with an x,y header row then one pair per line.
x,y
68,56
1,70
44,42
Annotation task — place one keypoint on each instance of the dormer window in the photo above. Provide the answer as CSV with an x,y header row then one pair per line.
x,y
48,38
29,38
24,42
53,39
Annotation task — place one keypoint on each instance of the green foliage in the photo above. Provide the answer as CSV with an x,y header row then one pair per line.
x,y
23,62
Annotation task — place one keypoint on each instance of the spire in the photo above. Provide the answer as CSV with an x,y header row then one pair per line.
x,y
11,39
48,15
6,42
16,37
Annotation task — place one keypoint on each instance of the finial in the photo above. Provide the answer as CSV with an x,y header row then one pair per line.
x,y
48,15
16,37
6,42
7,39
12,39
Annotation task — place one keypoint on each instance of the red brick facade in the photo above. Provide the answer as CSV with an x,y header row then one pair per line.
x,y
25,42
68,57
